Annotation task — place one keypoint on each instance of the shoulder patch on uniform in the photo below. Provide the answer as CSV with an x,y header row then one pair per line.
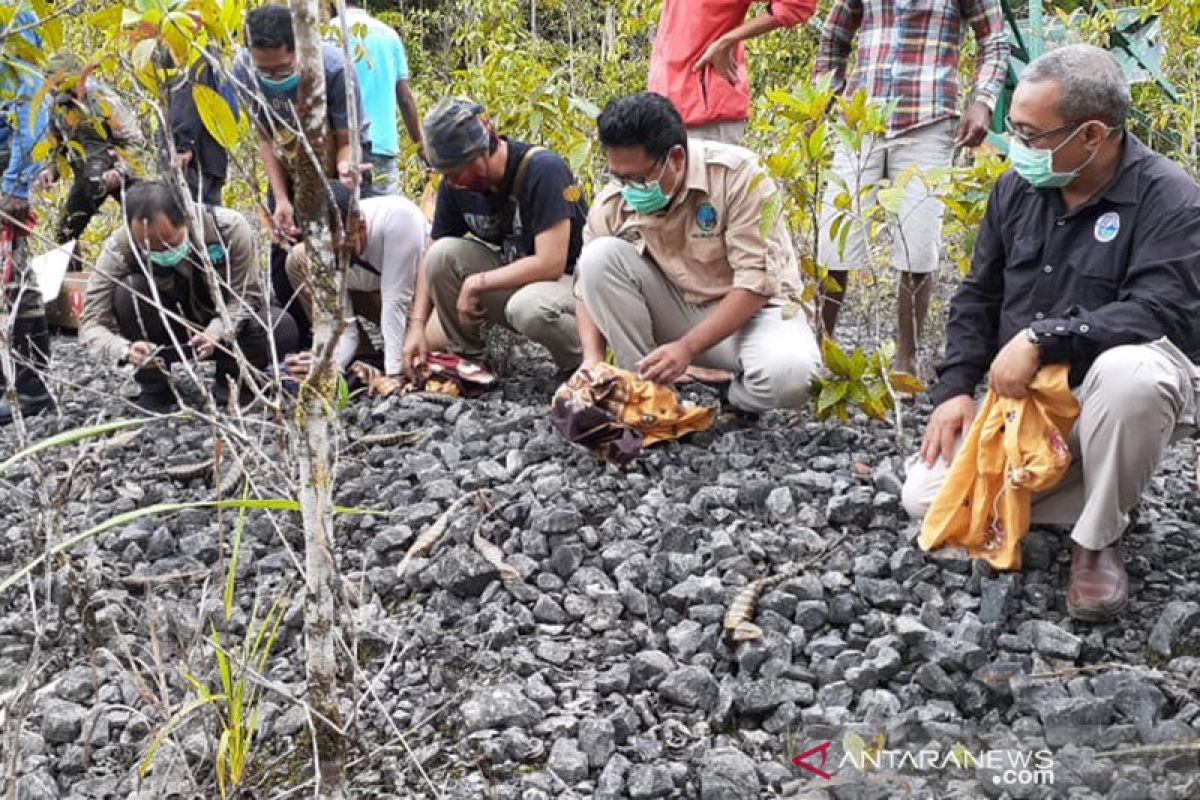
x,y
572,193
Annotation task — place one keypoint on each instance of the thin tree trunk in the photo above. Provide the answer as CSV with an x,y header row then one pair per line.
x,y
316,419
609,36
571,45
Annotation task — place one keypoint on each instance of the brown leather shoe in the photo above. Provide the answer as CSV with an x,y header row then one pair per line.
x,y
1099,588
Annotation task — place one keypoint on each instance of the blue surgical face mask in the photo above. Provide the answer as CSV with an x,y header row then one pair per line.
x,y
282,85
171,257
1036,165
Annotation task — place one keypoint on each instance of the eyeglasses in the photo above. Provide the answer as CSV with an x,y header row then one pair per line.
x,y
282,72
1030,138
634,183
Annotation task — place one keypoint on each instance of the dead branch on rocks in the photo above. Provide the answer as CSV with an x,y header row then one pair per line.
x,y
739,618
433,534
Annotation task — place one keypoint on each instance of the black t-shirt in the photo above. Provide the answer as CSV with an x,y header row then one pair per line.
x,y
549,194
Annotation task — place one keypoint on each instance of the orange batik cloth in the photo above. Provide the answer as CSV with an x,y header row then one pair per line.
x,y
614,413
1014,448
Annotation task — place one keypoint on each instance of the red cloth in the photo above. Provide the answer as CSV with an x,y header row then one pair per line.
x,y
685,30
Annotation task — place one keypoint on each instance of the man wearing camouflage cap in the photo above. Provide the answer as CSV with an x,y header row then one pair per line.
x,y
507,230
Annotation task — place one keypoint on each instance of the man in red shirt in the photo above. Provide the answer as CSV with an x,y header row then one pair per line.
x,y
699,62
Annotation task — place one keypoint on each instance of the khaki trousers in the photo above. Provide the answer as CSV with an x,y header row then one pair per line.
x,y
543,311
637,308
1133,403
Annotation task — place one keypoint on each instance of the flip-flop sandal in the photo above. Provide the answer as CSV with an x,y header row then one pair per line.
x,y
465,370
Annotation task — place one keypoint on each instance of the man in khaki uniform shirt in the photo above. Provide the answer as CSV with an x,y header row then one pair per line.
x,y
149,301
675,274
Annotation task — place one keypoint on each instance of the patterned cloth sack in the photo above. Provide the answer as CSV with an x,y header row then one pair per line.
x,y
444,373
615,414
1015,447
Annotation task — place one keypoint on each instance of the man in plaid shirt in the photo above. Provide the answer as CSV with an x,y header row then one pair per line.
x,y
907,55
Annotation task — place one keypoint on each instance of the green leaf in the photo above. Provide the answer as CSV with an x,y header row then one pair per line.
x,y
962,756
847,137
76,435
856,393
854,746
235,550
216,115
904,382
858,363
832,393
873,409
121,520
41,150
232,13
790,310
143,54
585,106
816,142
890,197
210,17
343,393
172,723
834,358
222,755
770,214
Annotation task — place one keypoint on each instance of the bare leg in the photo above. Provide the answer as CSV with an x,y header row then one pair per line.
x,y
912,307
831,302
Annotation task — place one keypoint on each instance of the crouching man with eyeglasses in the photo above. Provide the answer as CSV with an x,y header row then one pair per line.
x,y
676,276
150,301
1088,255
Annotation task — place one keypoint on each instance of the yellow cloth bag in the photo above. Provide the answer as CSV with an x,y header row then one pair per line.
x,y
1014,448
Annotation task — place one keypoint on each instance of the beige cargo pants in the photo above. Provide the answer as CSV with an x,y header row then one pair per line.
x,y
543,311
1135,401
637,308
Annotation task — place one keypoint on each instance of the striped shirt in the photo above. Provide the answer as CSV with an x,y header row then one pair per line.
x,y
908,53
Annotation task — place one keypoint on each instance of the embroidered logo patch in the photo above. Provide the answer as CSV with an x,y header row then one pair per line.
x,y
707,218
572,193
1107,227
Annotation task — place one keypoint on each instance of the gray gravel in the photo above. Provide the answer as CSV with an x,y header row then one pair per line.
x,y
603,670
